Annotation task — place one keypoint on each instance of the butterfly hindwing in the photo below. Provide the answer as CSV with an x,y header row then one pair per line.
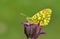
x,y
42,17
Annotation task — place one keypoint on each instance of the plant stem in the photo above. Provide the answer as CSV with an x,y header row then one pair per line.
x,y
29,38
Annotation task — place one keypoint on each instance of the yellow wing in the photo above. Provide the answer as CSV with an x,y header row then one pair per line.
x,y
42,17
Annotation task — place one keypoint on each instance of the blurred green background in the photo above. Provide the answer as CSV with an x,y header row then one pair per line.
x,y
10,19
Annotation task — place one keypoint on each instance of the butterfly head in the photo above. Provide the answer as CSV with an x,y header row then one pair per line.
x,y
29,19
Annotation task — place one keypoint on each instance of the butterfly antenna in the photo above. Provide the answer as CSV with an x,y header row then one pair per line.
x,y
22,14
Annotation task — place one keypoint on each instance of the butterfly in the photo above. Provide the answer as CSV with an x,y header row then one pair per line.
x,y
42,17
